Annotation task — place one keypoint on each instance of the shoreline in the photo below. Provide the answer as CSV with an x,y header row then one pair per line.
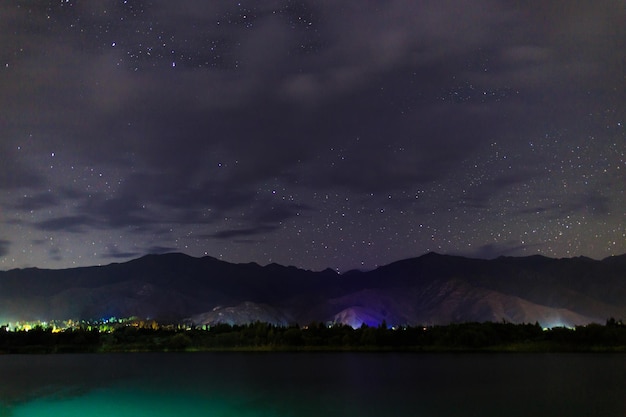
x,y
488,337
65,350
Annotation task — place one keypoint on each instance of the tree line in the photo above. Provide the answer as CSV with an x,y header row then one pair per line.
x,y
488,336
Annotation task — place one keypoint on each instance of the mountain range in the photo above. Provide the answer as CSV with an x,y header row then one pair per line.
x,y
427,290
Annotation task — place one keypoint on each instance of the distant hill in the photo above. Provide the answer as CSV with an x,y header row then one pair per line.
x,y
430,289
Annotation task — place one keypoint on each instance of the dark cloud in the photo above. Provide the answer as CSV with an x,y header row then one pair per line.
x,y
117,212
55,254
479,196
72,224
597,204
492,251
220,195
113,253
15,172
37,202
344,74
229,234
160,249
4,247
274,213
591,204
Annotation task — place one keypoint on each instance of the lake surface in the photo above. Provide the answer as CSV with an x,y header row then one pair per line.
x,y
312,384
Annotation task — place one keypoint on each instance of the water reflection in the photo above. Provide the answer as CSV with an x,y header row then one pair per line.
x,y
272,384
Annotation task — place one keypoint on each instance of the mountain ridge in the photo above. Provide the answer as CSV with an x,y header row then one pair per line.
x,y
429,289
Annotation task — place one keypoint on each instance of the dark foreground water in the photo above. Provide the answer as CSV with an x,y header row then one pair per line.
x,y
313,384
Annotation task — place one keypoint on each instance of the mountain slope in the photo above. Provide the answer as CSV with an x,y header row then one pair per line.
x,y
430,289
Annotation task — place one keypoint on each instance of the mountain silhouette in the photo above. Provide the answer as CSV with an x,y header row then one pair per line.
x,y
430,289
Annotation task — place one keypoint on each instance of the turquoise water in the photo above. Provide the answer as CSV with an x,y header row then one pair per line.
x,y
120,402
312,384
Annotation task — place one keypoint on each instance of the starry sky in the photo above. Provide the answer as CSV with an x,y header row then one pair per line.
x,y
341,134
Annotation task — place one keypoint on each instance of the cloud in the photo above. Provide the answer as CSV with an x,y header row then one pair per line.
x,y
167,132
254,231
492,250
114,253
37,202
479,196
221,195
589,204
117,212
592,203
14,170
4,247
54,254
73,224
268,212
155,250
195,114
597,204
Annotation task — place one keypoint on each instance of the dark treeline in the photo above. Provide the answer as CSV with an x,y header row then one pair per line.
x,y
487,336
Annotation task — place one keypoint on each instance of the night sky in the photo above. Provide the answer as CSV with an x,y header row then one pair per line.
x,y
341,134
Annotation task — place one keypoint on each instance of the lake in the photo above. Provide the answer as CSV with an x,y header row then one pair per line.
x,y
312,384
